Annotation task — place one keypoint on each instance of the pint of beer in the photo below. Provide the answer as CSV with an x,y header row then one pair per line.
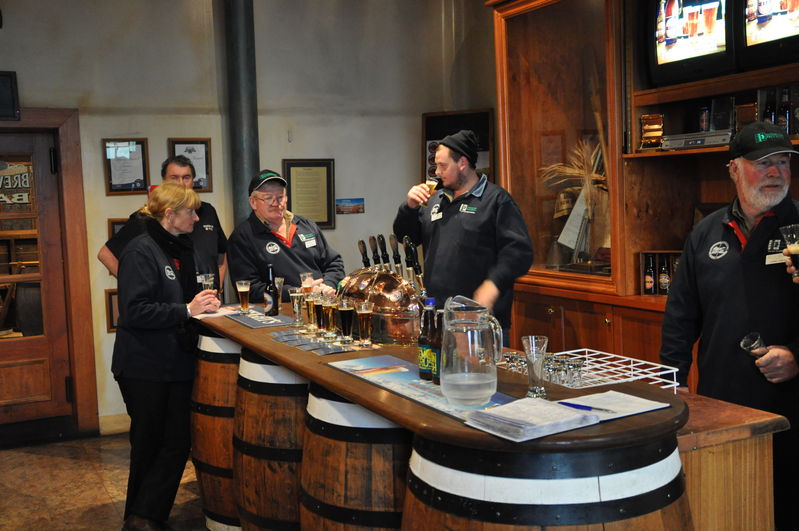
x,y
243,289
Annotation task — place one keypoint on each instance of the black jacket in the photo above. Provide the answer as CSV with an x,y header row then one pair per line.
x,y
721,292
153,318
478,236
252,245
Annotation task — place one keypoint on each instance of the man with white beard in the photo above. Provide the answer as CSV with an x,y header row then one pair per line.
x,y
731,281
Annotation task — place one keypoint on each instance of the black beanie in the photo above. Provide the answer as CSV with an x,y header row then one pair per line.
x,y
465,143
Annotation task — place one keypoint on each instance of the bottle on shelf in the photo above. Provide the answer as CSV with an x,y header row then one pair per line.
x,y
649,276
270,292
664,276
425,338
769,109
785,112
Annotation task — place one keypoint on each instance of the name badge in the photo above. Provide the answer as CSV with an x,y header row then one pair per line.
x,y
436,216
777,258
310,243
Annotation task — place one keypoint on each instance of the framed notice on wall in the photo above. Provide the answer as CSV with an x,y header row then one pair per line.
x,y
125,164
198,151
311,189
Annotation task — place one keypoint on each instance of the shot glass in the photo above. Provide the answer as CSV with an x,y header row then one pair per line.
x,y
243,289
752,342
535,350
574,371
297,301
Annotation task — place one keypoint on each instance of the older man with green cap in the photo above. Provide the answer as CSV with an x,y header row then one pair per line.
x,y
731,282
474,237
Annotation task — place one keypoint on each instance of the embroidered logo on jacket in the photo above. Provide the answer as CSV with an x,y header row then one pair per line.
x,y
169,273
718,250
272,248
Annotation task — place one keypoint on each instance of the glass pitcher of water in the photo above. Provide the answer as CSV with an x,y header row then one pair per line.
x,y
471,344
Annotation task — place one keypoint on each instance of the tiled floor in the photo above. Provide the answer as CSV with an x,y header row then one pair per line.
x,y
77,485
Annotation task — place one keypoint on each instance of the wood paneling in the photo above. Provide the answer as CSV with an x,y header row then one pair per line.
x,y
25,381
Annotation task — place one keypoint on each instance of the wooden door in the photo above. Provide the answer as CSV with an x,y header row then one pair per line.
x,y
536,315
587,325
637,333
34,347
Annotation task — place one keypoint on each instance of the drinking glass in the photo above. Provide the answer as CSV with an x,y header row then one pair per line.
x,y
346,315
535,350
364,312
318,305
310,305
329,317
306,282
431,183
243,289
297,301
791,235
279,281
206,280
574,371
751,342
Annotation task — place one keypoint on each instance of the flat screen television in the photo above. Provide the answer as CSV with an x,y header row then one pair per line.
x,y
689,40
766,32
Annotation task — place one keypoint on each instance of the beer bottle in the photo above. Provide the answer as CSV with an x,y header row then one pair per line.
x,y
270,291
649,276
664,277
425,338
435,347
784,112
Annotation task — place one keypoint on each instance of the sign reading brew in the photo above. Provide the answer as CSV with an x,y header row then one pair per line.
x,y
16,187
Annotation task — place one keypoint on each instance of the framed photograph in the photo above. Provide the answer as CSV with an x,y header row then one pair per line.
x,y
311,189
111,309
114,225
198,150
126,166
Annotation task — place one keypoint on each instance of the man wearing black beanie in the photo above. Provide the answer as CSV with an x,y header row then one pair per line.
x,y
474,238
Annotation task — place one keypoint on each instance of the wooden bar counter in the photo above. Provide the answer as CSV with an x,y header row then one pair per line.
x,y
725,449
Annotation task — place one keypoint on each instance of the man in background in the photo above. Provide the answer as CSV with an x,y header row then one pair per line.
x,y
208,237
474,238
731,282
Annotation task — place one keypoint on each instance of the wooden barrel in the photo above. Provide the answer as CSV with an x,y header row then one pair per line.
x,y
634,486
267,443
212,407
354,465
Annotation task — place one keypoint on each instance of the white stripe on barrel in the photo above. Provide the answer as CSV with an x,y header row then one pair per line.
x,y
547,491
345,414
219,345
271,374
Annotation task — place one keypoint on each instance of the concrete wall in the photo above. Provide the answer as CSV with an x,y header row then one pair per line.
x,y
341,79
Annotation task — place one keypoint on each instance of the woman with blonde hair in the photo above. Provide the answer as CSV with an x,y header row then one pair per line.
x,y
154,351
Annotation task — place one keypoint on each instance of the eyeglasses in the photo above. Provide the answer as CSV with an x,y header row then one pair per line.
x,y
270,199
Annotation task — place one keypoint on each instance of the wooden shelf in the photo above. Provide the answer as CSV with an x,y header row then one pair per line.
x,y
683,152
730,84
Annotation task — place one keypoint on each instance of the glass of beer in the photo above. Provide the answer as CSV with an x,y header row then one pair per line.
x,y
364,312
432,183
329,317
297,301
318,305
346,316
206,280
791,235
279,281
310,301
306,282
243,288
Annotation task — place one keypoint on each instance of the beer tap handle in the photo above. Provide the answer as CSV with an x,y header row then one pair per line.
x,y
392,240
364,256
373,247
406,242
381,242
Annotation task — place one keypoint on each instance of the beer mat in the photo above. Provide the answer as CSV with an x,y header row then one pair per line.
x,y
331,349
402,377
298,342
257,319
277,334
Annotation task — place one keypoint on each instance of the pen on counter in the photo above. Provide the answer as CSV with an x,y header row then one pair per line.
x,y
584,407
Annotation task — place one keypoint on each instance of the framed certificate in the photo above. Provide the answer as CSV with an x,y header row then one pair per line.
x,y
125,164
311,189
198,151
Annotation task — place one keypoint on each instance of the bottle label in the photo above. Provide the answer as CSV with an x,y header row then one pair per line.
x,y
664,281
269,303
649,282
425,363
435,358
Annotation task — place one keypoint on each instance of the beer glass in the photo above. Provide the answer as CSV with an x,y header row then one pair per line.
x,y
535,350
243,288
279,281
306,282
346,316
329,317
431,183
791,235
318,305
206,280
364,312
310,304
297,301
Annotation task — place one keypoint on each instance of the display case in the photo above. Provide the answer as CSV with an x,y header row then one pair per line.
x,y
558,134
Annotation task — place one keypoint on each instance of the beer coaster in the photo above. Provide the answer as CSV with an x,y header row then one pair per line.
x,y
256,319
